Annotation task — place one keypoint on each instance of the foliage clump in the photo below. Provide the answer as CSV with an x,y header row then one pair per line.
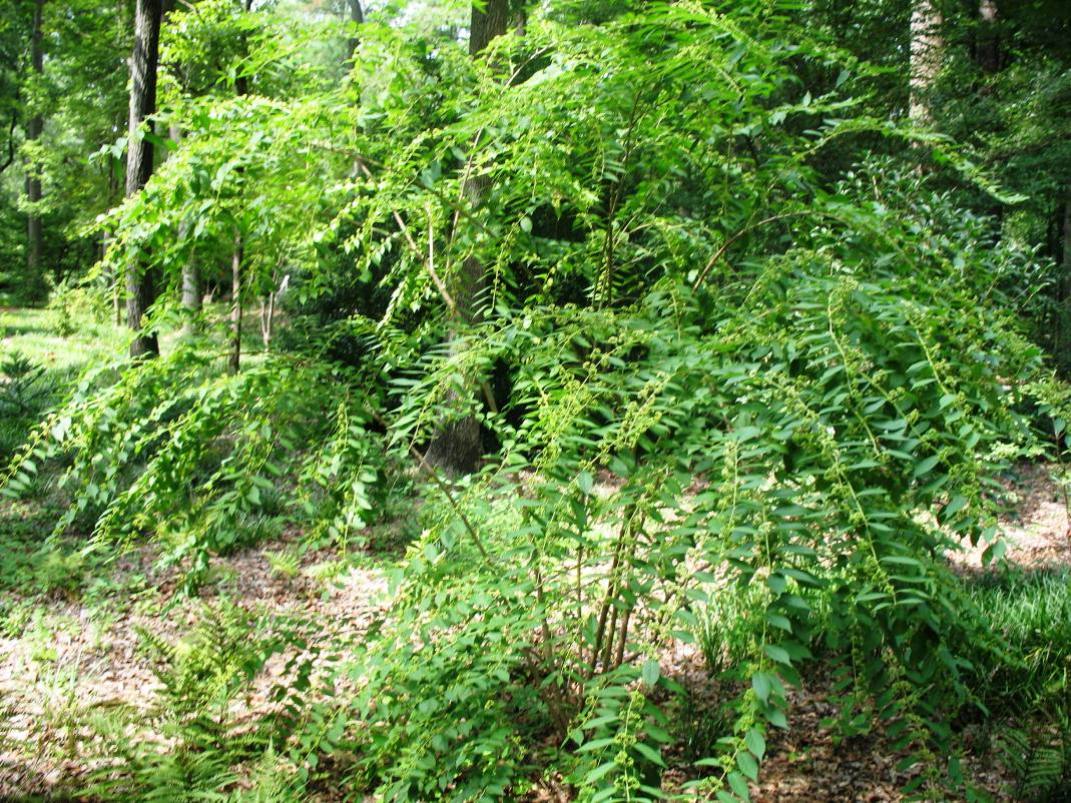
x,y
704,361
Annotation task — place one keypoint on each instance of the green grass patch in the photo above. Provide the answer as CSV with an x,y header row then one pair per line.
x,y
58,343
42,351
1031,611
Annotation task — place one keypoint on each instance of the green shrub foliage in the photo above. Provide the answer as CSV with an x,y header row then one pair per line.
x,y
706,365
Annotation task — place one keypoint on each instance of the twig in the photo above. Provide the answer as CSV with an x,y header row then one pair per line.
x,y
746,230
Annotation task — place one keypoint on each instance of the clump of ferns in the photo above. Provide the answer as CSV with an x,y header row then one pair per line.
x,y
199,736
813,479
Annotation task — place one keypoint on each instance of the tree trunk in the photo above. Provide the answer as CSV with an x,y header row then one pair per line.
x,y
926,46
191,271
457,447
485,25
987,51
267,319
1062,340
34,128
356,16
140,280
191,289
241,89
235,360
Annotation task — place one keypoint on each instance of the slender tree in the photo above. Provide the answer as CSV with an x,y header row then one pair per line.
x,y
34,128
456,447
987,49
1062,291
191,270
241,89
926,46
357,17
140,282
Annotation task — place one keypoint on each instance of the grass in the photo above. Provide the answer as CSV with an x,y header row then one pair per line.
x,y
39,335
42,351
1031,611
65,340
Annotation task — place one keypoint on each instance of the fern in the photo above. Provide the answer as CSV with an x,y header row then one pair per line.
x,y
1040,760
204,748
708,368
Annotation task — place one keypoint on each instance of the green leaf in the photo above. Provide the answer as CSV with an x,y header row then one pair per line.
x,y
953,507
651,754
760,682
778,654
779,621
777,718
925,466
650,671
755,743
748,765
585,482
598,773
738,783
777,583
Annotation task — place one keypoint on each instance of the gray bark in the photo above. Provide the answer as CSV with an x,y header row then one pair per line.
x,y
487,24
191,270
191,290
926,47
235,359
140,280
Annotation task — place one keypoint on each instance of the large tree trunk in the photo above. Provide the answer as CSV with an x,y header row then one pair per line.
x,y
34,128
485,25
140,282
457,446
926,46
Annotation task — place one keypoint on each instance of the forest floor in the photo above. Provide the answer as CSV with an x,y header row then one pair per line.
x,y
807,763
78,646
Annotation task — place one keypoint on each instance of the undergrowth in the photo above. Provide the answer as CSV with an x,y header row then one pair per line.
x,y
1024,691
1031,611
193,742
721,393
